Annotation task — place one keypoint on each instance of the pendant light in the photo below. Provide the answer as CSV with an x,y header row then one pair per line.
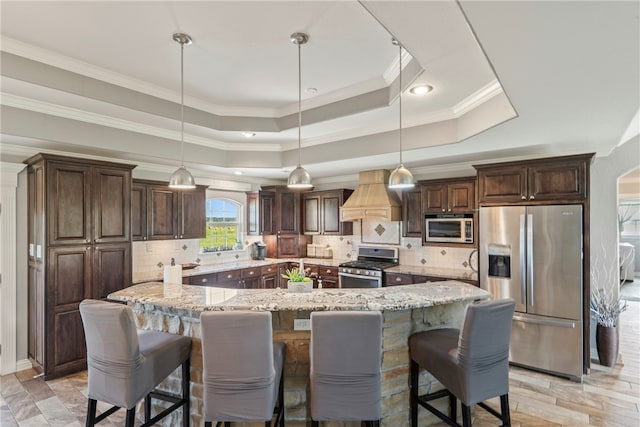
x,y
299,177
182,178
401,178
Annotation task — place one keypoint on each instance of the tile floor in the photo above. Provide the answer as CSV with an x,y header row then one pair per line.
x,y
607,397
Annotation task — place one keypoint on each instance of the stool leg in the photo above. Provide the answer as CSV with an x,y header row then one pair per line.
x,y
315,423
186,408
91,413
414,375
207,424
147,408
453,407
504,410
131,417
466,415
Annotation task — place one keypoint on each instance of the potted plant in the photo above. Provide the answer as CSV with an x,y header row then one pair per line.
x,y
606,307
297,281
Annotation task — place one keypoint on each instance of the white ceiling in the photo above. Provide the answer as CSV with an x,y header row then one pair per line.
x,y
512,79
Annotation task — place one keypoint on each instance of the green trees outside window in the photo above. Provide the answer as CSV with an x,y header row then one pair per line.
x,y
224,226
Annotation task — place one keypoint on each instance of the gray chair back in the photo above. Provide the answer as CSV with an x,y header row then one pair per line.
x,y
346,357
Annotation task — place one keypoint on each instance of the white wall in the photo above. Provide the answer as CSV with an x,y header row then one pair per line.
x,y
605,172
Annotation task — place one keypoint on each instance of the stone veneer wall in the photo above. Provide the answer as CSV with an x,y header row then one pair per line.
x,y
398,326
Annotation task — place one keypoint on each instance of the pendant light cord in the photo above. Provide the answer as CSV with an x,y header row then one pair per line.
x,y
400,103
299,107
182,104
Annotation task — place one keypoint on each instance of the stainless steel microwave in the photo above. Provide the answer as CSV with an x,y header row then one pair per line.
x,y
451,230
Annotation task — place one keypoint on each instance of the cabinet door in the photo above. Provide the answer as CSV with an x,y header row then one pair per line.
x,y
69,203
502,184
138,211
288,212
434,198
253,212
210,279
330,213
564,180
461,196
192,214
288,246
412,217
111,268
267,212
270,281
68,283
162,205
111,205
311,213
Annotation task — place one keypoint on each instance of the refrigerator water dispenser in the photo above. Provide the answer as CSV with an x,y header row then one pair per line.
x,y
499,261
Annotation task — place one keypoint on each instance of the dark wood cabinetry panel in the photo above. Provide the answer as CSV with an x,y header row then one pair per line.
x,y
292,245
253,212
321,212
79,247
394,279
455,195
192,222
210,279
288,212
112,268
267,208
69,203
557,180
168,213
412,217
138,211
163,213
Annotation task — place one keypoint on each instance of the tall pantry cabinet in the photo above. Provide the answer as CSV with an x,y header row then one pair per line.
x,y
79,247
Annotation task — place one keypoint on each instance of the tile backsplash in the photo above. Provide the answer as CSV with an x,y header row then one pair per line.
x,y
153,255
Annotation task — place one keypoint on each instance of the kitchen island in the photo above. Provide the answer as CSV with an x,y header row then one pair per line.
x,y
406,309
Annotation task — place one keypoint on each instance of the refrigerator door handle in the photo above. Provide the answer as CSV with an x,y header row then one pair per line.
x,y
530,257
523,279
560,323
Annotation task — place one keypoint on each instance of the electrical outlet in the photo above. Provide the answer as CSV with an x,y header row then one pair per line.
x,y
301,324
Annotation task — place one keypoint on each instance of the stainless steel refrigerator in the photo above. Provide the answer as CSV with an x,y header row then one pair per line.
x,y
533,254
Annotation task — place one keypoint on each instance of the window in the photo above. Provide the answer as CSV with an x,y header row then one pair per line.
x,y
629,217
224,225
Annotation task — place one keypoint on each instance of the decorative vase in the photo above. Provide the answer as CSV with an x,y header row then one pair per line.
x,y
607,344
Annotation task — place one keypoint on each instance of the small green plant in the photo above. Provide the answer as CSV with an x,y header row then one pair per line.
x,y
294,275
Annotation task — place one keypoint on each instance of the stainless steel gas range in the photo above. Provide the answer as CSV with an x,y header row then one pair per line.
x,y
368,270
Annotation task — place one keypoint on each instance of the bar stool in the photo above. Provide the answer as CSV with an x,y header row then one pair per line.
x,y
346,356
242,368
472,363
125,365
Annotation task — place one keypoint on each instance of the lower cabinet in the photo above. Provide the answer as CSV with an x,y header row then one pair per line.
x,y
395,279
265,277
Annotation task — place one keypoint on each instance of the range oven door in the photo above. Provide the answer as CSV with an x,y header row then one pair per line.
x,y
348,280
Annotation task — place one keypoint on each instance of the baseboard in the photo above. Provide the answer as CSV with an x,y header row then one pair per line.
x,y
23,364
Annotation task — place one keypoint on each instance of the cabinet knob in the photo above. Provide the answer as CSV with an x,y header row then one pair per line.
x,y
251,273
398,279
228,276
532,197
524,197
442,209
175,237
87,248
87,241
204,280
144,238
181,236
449,209
328,270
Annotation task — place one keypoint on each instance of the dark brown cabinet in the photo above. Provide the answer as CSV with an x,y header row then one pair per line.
x,y
253,213
279,213
557,180
456,195
412,217
79,220
321,213
162,213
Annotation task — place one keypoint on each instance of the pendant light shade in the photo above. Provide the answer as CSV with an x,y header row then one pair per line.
x,y
299,177
401,178
182,178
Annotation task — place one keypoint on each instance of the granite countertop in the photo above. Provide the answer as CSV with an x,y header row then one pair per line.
x,y
186,300
445,273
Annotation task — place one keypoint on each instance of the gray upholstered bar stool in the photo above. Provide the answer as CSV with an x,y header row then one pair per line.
x,y
242,368
125,364
472,363
346,356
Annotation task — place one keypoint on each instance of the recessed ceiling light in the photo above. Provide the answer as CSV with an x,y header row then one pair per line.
x,y
311,90
237,172
421,89
248,134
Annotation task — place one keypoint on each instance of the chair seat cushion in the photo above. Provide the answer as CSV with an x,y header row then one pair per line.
x,y
164,352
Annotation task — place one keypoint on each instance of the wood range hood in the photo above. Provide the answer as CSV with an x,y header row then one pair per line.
x,y
372,199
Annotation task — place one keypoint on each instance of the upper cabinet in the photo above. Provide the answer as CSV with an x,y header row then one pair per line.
x,y
321,213
558,179
412,217
454,195
162,213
